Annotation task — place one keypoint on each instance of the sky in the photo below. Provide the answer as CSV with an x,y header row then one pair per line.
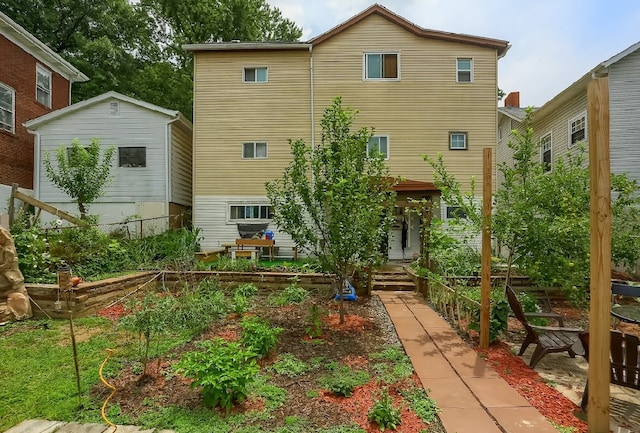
x,y
553,42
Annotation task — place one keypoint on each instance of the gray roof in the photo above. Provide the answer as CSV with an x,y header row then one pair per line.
x,y
515,113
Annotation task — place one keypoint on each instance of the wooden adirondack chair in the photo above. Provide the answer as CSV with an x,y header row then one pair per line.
x,y
625,361
548,339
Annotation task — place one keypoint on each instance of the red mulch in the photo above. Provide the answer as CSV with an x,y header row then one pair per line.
x,y
550,402
114,312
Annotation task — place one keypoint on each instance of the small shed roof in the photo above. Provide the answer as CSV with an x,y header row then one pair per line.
x,y
39,121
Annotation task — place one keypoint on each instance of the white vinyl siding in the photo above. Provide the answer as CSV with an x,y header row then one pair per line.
x,y
43,86
382,66
7,108
464,70
379,143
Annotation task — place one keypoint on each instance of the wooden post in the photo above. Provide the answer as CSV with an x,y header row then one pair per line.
x,y
12,205
485,296
600,264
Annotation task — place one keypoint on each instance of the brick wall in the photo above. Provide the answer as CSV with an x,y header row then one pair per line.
x,y
18,71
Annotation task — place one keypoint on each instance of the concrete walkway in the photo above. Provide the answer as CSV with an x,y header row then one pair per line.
x,y
45,426
472,396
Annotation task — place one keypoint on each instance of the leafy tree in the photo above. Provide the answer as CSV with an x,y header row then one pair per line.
x,y
334,200
135,47
80,172
543,218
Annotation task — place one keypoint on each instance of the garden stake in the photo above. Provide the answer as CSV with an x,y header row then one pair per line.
x,y
103,411
64,284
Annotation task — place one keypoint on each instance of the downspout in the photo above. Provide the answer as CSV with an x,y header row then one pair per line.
x,y
167,166
36,165
313,121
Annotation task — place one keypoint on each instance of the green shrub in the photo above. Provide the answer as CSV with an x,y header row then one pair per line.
x,y
422,405
259,336
150,317
292,294
384,413
223,369
343,380
195,310
228,264
289,365
247,290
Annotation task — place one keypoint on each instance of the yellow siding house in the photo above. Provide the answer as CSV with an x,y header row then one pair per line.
x,y
423,91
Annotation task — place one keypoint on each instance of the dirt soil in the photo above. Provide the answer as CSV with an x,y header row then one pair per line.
x,y
367,330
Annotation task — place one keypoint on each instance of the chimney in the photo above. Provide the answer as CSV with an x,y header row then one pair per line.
x,y
512,100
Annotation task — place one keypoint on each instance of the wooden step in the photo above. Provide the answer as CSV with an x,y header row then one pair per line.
x,y
394,285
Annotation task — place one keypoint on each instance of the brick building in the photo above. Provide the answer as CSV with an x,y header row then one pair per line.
x,y
34,81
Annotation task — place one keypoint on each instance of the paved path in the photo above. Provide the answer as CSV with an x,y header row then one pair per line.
x,y
472,396
44,426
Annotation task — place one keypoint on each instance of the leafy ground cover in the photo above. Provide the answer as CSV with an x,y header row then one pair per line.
x,y
313,375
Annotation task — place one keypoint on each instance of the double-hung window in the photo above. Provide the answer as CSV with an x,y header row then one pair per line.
x,y
381,66
545,152
464,70
378,143
255,75
457,140
43,86
7,108
254,150
250,212
577,129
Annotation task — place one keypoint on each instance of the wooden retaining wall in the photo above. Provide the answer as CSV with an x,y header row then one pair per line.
x,y
89,297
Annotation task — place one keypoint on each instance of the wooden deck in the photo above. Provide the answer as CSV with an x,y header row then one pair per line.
x,y
44,426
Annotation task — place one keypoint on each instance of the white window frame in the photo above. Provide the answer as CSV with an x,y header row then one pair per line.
x,y
458,70
11,128
580,117
40,70
255,68
499,133
546,145
378,137
466,140
245,205
255,148
365,65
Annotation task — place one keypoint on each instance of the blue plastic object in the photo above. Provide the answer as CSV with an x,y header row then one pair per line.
x,y
348,293
268,234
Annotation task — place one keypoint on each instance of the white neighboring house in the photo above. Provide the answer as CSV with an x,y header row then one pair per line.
x,y
151,170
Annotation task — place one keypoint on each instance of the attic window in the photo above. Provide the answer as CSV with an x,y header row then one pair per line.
x,y
114,108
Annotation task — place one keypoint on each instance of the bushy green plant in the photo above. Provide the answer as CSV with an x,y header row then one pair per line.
x,y
223,369
247,290
259,336
195,310
292,294
384,413
343,380
313,327
289,365
228,264
36,263
393,365
498,317
149,317
422,405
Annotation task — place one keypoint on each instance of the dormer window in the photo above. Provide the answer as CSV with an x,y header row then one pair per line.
x,y
382,66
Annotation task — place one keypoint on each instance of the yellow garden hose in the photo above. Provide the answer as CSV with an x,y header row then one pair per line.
x,y
113,391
